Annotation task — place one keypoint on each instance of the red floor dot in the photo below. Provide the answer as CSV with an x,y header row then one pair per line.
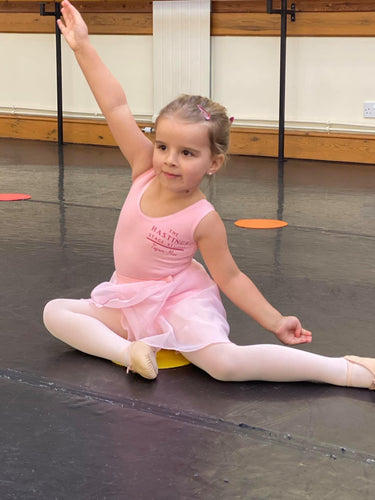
x,y
14,196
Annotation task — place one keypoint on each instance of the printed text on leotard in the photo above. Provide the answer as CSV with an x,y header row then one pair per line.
x,y
166,242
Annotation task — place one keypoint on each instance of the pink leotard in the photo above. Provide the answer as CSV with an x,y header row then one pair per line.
x,y
167,299
155,247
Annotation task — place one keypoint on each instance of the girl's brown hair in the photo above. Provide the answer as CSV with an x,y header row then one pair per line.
x,y
196,109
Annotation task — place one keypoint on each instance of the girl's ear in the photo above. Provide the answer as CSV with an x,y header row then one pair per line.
x,y
216,164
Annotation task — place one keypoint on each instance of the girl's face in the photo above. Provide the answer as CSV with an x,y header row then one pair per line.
x,y
182,154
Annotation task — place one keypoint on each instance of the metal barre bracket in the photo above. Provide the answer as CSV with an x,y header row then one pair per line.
x,y
56,13
291,11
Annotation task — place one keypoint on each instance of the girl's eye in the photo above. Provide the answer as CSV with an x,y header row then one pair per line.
x,y
163,147
185,152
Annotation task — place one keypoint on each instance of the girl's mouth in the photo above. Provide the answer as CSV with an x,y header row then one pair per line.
x,y
170,176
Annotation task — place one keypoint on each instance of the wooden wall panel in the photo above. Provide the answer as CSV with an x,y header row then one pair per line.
x,y
217,5
343,24
355,148
359,24
325,146
301,5
235,18
101,6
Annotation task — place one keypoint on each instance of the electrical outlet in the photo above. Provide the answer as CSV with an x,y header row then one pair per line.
x,y
369,110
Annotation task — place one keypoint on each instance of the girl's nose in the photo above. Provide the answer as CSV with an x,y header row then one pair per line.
x,y
172,158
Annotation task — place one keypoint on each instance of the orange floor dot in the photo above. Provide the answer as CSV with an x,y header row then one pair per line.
x,y
260,223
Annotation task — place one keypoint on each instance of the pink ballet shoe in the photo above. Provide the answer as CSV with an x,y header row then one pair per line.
x,y
368,363
142,360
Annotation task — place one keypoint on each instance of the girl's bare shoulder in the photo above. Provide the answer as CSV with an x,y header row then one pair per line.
x,y
210,227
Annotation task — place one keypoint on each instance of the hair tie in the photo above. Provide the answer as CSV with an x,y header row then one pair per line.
x,y
231,119
204,112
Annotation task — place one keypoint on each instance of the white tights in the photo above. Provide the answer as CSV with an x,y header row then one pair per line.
x,y
98,331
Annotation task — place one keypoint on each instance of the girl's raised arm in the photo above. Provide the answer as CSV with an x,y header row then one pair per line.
x,y
111,98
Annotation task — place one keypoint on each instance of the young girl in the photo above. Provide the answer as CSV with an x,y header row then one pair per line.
x,y
158,296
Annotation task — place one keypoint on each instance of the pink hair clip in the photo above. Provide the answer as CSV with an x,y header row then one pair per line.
x,y
204,112
231,119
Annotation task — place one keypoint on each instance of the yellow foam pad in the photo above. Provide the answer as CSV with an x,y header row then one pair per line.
x,y
168,359
260,223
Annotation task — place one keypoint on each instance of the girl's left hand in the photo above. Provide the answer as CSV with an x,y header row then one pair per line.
x,y
290,331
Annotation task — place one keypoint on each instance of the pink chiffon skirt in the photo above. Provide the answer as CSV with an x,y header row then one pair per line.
x,y
182,313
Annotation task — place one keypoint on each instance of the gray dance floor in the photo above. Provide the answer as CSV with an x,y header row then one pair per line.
x,y
77,427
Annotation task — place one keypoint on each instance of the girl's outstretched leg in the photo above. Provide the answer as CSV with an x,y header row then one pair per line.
x,y
274,363
98,331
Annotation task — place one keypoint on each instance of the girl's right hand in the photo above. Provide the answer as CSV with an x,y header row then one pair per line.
x,y
74,27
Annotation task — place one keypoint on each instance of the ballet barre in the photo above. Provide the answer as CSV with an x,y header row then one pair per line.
x,y
284,12
57,14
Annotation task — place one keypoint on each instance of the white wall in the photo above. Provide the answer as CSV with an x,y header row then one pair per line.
x,y
328,79
29,73
26,77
